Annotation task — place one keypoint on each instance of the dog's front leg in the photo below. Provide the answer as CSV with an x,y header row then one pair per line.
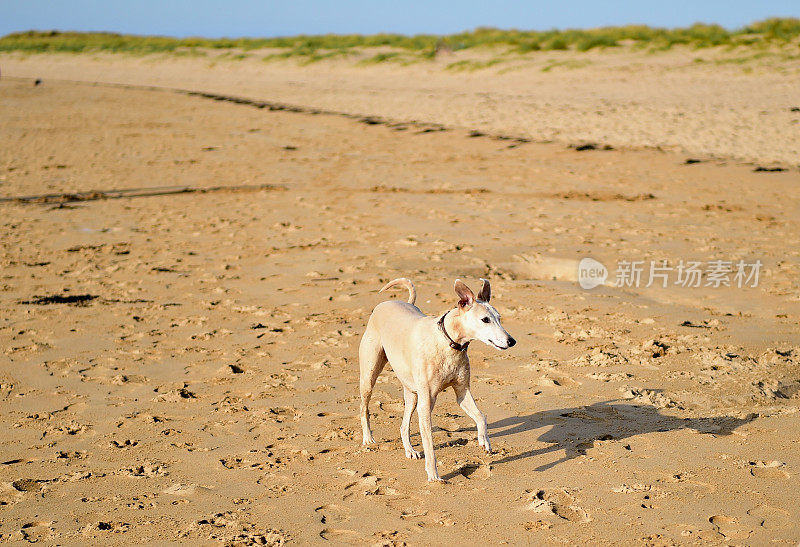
x,y
425,402
467,404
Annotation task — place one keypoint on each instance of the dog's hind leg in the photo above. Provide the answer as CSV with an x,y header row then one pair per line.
x,y
372,359
410,399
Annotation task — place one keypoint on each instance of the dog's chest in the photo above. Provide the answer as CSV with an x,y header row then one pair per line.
x,y
453,368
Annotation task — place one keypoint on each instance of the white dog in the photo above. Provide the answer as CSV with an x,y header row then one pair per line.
x,y
428,354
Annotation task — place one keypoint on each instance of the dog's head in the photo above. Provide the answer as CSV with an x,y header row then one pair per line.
x,y
478,319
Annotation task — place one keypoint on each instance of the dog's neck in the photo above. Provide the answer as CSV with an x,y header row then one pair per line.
x,y
452,325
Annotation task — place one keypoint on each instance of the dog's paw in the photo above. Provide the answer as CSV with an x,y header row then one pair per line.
x,y
437,480
486,445
368,440
413,455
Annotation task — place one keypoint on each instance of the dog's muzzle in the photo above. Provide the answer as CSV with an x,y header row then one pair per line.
x,y
509,343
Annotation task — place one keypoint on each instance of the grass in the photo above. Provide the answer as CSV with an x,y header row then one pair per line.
x,y
472,64
307,56
770,32
566,64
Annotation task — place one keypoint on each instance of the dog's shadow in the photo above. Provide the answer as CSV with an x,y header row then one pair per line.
x,y
575,430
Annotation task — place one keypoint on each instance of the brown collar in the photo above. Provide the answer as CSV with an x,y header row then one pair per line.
x,y
453,344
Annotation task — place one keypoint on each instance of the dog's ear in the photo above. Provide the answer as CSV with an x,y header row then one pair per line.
x,y
465,295
485,293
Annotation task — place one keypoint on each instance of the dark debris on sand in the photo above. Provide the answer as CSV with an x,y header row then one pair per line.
x,y
590,146
73,299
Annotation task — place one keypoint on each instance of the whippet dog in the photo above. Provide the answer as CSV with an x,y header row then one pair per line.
x,y
429,355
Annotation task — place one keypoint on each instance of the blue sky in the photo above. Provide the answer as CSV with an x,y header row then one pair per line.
x,y
233,18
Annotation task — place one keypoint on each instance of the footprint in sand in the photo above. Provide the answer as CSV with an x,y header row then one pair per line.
x,y
234,529
70,455
341,536
332,513
283,413
61,367
70,428
472,471
27,485
233,369
265,460
127,443
447,422
230,404
174,392
392,407
610,376
34,532
537,525
368,486
411,508
146,470
389,538
104,527
768,470
633,488
76,476
552,378
729,527
558,502
771,518
344,433
271,537
122,379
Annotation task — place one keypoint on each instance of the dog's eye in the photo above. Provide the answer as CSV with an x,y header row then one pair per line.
x,y
485,319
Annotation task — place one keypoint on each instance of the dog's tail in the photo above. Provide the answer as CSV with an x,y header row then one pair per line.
x,y
404,282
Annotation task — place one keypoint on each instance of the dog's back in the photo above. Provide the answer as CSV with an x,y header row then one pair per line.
x,y
393,321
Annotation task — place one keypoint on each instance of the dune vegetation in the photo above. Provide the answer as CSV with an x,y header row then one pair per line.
x,y
774,32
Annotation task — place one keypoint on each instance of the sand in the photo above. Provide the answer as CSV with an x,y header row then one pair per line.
x,y
711,103
181,366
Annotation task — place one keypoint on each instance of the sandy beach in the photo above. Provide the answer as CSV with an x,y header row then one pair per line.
x,y
727,104
185,279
